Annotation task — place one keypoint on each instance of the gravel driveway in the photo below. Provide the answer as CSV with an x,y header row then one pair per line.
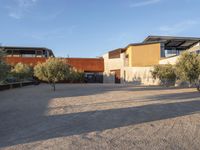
x,y
99,116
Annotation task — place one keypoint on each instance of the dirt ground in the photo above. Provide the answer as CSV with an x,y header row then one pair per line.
x,y
99,116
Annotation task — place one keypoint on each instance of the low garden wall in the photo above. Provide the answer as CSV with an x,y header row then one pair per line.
x,y
15,85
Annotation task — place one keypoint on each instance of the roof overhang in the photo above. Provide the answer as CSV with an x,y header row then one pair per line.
x,y
170,42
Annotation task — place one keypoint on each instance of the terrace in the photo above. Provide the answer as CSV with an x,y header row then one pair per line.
x,y
173,46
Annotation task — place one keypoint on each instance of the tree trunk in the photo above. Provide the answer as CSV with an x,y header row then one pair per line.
x,y
198,88
197,84
190,83
54,86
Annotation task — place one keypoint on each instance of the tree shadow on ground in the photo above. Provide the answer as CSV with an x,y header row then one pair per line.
x,y
94,89
29,124
175,96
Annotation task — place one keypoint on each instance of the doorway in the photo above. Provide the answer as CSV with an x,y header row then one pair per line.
x,y
117,75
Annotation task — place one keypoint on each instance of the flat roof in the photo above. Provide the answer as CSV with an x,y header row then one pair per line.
x,y
171,42
23,47
121,50
26,48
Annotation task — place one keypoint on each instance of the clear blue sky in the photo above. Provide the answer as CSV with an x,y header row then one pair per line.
x,y
89,28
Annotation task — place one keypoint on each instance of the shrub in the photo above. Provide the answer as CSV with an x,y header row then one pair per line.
x,y
22,71
76,76
52,71
188,67
4,68
165,73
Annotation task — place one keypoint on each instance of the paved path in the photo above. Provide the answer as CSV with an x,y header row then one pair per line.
x,y
97,116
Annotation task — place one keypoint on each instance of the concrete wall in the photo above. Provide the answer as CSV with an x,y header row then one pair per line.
x,y
139,76
171,60
195,47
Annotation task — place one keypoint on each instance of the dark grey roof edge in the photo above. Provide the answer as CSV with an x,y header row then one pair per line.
x,y
138,44
145,42
118,49
171,37
134,44
24,47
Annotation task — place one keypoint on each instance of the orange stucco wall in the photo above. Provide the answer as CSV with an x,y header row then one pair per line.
x,y
144,55
83,64
87,64
25,60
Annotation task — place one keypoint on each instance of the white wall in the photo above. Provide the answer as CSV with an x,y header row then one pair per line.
x,y
171,60
139,76
195,47
112,64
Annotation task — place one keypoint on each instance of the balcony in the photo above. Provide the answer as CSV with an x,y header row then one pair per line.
x,y
170,53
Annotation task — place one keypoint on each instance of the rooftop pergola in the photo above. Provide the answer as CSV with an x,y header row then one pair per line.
x,y
170,42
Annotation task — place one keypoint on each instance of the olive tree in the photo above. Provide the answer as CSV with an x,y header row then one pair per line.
x,y
52,71
76,76
165,73
188,68
4,68
22,71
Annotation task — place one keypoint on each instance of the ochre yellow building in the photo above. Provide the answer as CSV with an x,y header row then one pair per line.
x,y
135,62
143,55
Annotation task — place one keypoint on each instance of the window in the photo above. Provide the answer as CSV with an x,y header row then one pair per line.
x,y
127,60
162,50
39,53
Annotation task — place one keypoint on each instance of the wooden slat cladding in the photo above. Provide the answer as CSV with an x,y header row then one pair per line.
x,y
114,54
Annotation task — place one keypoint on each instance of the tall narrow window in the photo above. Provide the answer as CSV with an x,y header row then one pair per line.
x,y
162,50
127,60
